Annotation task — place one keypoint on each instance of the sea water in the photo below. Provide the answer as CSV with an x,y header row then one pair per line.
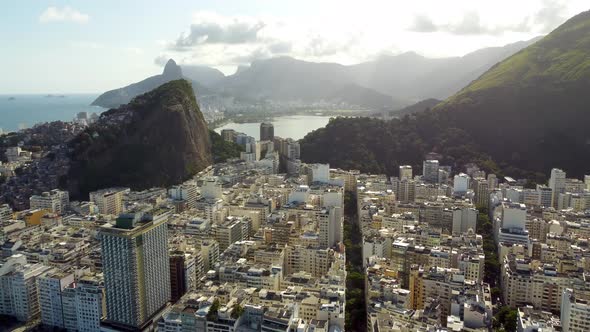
x,y
23,111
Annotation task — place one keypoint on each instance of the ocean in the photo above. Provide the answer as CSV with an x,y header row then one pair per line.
x,y
24,111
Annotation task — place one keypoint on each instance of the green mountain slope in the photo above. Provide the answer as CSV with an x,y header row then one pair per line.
x,y
522,117
532,110
420,106
160,138
561,57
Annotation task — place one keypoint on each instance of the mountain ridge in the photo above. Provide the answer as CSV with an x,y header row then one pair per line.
x,y
390,81
522,117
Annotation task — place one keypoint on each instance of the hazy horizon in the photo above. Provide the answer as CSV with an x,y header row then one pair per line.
x,y
90,47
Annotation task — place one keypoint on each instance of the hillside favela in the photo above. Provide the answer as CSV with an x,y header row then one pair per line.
x,y
295,166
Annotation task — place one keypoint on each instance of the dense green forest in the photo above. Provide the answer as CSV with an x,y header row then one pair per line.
x,y
378,146
223,150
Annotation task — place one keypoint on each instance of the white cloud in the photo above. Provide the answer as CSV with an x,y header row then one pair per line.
x,y
210,28
65,14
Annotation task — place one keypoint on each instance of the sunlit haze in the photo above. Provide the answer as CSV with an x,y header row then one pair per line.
x,y
84,46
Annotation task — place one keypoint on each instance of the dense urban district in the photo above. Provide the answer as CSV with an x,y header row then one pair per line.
x,y
265,242
457,218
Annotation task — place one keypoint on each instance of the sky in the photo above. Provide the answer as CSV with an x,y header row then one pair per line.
x,y
92,46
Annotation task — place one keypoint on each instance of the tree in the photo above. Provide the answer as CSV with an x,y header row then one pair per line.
x,y
213,310
506,318
237,311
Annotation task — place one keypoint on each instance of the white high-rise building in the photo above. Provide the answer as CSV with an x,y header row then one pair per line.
x,y
430,171
51,287
575,313
460,184
513,227
587,181
557,184
74,306
54,201
405,172
136,267
19,294
513,215
84,304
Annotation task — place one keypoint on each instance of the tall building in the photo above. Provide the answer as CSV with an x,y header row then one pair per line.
x,y
51,287
443,175
109,201
292,149
545,195
84,304
513,227
330,226
19,293
265,148
575,313
513,215
54,201
251,149
267,131
405,190
557,184
405,172
464,219
136,267
430,171
182,274
481,191
460,184
587,181
210,254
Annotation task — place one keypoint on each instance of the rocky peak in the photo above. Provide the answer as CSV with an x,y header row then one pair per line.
x,y
172,69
